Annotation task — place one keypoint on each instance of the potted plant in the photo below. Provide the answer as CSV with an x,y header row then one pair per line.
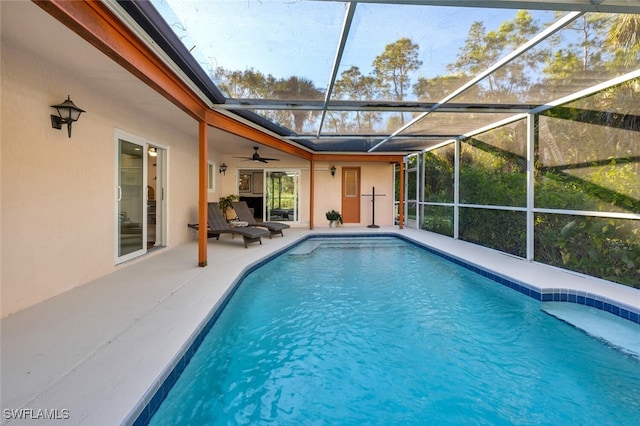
x,y
334,218
226,204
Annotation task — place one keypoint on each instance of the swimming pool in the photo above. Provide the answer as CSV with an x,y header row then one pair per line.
x,y
316,336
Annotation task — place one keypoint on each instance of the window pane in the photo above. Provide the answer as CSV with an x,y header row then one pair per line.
x,y
351,183
493,167
589,155
496,229
601,247
438,176
438,219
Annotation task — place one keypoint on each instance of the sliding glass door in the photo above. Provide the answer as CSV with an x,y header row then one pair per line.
x,y
281,195
131,198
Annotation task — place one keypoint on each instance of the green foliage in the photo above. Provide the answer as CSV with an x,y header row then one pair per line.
x,y
438,219
586,159
333,216
491,175
498,229
601,247
392,67
254,84
438,175
226,203
353,85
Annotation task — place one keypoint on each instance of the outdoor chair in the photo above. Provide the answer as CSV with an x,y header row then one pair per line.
x,y
217,224
244,214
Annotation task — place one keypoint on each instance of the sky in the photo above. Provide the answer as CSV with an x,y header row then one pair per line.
x,y
300,38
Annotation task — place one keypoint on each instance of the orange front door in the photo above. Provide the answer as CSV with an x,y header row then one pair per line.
x,y
351,194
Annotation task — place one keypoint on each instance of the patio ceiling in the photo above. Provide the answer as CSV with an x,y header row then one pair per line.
x,y
387,76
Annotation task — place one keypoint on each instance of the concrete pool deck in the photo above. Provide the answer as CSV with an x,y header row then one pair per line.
x,y
91,354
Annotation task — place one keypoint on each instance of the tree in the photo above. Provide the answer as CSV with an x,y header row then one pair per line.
x,y
355,86
625,31
392,68
473,57
591,29
297,88
576,59
483,49
623,37
437,88
242,84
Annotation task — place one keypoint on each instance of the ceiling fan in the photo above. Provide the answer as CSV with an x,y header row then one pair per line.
x,y
256,157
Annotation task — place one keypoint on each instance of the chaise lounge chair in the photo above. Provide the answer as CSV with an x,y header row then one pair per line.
x,y
217,224
244,214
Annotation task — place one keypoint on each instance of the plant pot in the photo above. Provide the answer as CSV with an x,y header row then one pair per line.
x,y
333,224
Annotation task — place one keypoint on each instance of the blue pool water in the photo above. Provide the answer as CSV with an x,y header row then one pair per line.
x,y
379,331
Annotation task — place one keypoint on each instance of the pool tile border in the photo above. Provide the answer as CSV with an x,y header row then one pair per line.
x,y
149,405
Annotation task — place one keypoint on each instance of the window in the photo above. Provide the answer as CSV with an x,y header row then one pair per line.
x,y
211,179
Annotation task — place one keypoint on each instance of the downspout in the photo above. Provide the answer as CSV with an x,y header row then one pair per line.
x,y
203,170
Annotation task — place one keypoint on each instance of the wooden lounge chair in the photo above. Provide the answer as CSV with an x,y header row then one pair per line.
x,y
244,214
217,224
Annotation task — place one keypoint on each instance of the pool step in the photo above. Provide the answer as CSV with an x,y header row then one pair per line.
x,y
306,248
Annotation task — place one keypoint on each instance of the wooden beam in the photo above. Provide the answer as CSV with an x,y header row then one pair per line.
x,y
401,200
359,158
203,189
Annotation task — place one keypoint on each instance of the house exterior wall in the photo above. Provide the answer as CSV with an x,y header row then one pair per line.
x,y
58,193
328,192
327,188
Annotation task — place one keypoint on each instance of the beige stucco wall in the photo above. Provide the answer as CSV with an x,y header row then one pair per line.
x,y
58,206
328,191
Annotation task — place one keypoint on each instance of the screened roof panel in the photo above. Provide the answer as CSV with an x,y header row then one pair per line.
x,y
436,36
364,122
267,40
303,122
323,73
453,124
621,99
575,58
412,144
363,144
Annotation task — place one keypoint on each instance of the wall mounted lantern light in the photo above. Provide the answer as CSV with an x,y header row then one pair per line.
x,y
333,171
68,112
223,169
153,152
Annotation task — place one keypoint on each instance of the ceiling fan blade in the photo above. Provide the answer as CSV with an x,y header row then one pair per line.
x,y
256,157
